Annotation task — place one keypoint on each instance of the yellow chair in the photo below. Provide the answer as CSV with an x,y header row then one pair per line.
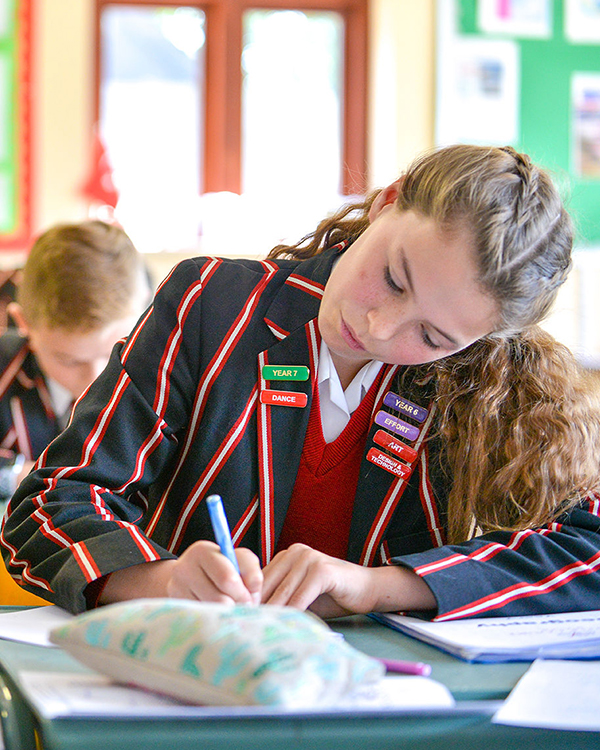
x,y
12,595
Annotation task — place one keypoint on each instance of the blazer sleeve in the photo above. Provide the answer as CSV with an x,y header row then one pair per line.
x,y
74,518
537,571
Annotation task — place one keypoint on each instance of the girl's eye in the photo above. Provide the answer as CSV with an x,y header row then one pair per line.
x,y
391,283
427,341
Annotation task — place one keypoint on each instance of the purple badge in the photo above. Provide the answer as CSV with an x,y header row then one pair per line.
x,y
408,431
407,408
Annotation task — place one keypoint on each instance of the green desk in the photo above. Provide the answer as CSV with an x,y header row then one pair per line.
x,y
477,688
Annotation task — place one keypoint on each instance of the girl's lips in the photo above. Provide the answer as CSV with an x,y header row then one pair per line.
x,y
349,337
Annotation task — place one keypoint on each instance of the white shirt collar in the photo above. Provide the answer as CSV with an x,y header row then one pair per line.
x,y
338,405
61,400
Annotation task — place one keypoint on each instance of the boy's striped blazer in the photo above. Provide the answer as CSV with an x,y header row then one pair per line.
x,y
27,419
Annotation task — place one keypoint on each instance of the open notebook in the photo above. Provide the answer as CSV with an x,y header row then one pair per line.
x,y
570,635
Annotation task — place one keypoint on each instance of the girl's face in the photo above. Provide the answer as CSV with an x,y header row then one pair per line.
x,y
404,292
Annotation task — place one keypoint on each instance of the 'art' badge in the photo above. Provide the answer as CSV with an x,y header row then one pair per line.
x,y
406,408
285,372
283,398
389,463
392,444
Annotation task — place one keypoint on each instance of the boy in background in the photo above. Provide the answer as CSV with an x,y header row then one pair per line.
x,y
82,289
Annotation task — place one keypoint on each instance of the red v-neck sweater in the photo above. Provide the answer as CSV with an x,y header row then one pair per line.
x,y
320,510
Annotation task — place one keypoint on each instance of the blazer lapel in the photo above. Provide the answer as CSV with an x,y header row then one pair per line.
x,y
281,431
379,491
292,317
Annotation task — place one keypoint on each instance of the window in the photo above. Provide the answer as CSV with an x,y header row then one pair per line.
x,y
292,100
222,117
15,125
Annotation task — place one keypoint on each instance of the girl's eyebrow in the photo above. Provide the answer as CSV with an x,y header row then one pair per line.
x,y
409,283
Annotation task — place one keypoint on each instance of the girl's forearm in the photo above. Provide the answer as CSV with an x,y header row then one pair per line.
x,y
143,580
396,588
388,589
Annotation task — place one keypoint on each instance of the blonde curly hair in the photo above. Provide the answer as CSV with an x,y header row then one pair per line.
x,y
520,429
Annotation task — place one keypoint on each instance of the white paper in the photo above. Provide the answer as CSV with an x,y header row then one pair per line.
x,y
582,21
6,18
72,695
555,695
567,635
527,18
585,124
478,85
32,625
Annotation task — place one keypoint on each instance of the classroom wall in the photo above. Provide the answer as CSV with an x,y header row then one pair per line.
x,y
402,85
62,106
401,114
401,124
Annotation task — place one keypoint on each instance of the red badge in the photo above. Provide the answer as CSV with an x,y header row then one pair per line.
x,y
379,458
394,445
283,398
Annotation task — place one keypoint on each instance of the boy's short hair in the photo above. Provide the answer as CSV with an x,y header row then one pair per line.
x,y
82,277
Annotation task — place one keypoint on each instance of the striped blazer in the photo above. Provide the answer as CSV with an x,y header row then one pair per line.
x,y
27,420
178,414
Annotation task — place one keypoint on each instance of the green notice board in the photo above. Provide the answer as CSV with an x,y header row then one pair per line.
x,y
546,117
15,137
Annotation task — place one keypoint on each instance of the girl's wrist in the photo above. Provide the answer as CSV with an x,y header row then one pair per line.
x,y
146,579
398,588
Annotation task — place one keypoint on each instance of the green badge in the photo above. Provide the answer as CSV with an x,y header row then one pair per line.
x,y
285,372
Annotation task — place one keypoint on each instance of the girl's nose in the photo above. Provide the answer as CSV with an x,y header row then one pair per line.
x,y
383,323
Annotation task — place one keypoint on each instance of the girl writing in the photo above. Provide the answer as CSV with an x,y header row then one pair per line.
x,y
387,426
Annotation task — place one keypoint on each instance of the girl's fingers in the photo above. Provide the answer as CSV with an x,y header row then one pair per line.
x,y
203,572
197,586
303,578
287,562
251,572
296,577
297,593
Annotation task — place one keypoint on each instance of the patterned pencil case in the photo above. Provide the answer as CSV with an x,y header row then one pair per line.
x,y
214,654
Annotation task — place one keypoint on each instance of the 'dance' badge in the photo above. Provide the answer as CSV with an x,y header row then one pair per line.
x,y
283,398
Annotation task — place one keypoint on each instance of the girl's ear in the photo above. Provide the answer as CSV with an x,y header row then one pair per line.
x,y
15,311
386,197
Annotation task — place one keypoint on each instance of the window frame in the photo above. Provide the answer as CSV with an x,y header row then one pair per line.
x,y
17,47
222,148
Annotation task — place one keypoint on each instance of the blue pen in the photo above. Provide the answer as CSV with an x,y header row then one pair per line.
x,y
220,526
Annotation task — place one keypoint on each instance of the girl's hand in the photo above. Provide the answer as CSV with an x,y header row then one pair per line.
x,y
303,578
202,572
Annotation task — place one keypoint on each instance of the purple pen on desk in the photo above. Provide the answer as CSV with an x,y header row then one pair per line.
x,y
407,667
